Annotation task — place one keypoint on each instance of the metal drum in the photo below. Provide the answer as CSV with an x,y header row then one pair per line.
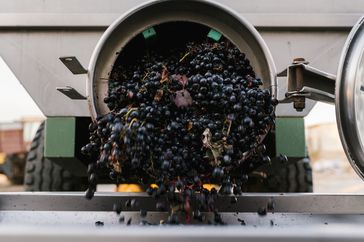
x,y
218,17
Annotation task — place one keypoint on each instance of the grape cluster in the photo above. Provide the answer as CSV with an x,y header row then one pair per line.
x,y
182,119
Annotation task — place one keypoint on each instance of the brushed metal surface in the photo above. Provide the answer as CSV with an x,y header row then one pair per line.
x,y
308,203
73,65
298,216
350,98
314,232
103,20
209,13
33,35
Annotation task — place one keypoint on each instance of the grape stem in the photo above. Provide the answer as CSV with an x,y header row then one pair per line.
x,y
184,57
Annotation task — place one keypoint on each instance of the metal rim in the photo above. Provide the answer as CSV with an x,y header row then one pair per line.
x,y
349,74
94,74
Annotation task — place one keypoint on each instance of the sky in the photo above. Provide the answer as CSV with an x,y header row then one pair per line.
x,y
16,103
321,113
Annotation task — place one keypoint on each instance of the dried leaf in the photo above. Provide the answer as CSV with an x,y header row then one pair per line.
x,y
259,174
182,98
227,147
250,80
214,149
215,46
218,69
116,166
227,127
209,155
189,126
158,96
182,79
164,76
130,94
216,152
206,138
143,90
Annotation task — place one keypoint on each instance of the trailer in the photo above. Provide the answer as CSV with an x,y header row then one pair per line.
x,y
63,52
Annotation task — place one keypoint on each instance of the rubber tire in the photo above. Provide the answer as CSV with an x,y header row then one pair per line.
x,y
41,174
294,177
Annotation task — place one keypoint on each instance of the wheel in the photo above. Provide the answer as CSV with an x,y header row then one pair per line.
x,y
294,176
42,174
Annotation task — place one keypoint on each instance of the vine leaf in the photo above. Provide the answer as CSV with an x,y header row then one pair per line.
x,y
182,98
158,95
189,126
215,149
182,79
165,74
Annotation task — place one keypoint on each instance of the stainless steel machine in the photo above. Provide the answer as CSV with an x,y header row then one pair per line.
x,y
48,45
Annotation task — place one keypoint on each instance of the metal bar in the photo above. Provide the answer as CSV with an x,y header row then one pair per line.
x,y
115,6
181,234
71,93
307,82
73,64
67,216
303,75
96,20
309,203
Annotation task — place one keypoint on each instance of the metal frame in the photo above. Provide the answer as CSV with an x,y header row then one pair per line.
x,y
304,203
304,82
69,216
33,37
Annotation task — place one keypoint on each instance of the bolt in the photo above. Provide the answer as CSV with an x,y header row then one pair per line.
x,y
299,60
299,104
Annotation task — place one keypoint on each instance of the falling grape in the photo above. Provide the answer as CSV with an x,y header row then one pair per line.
x,y
193,116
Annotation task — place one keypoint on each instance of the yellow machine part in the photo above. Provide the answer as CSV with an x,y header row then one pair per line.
x,y
129,188
210,186
2,158
138,188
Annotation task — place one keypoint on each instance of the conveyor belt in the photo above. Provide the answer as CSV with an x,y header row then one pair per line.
x,y
69,216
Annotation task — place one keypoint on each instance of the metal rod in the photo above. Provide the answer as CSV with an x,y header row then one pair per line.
x,y
284,203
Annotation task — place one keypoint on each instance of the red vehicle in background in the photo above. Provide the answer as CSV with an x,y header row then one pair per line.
x,y
15,141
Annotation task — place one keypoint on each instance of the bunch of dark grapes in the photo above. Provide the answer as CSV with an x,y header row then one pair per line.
x,y
179,120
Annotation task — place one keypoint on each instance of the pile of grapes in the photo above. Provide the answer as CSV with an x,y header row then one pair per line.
x,y
182,119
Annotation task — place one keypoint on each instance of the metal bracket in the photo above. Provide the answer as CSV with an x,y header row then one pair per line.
x,y
71,93
305,81
72,63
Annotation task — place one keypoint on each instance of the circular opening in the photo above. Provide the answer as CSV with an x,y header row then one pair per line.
x,y
136,80
180,21
167,36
